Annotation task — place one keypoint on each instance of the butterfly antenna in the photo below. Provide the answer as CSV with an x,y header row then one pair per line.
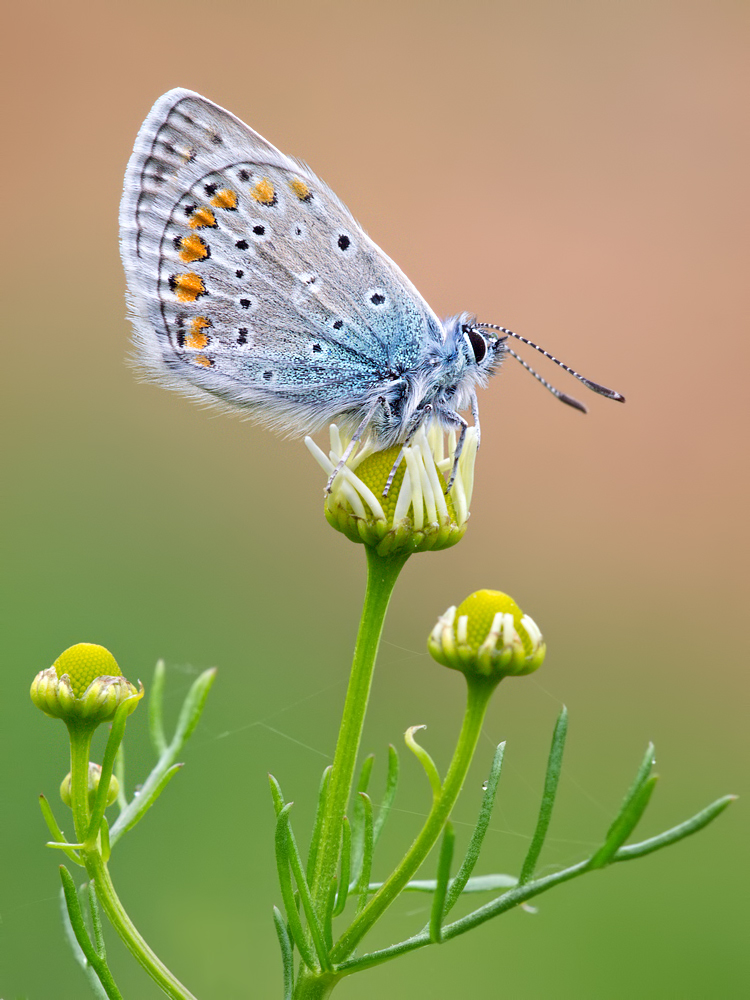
x,y
594,386
562,396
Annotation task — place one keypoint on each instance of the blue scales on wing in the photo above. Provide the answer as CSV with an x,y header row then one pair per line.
x,y
251,284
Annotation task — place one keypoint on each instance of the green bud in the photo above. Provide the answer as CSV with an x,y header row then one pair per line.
x,y
487,637
95,773
84,684
419,513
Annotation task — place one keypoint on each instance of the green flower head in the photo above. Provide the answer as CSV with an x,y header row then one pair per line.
x,y
487,637
84,684
419,512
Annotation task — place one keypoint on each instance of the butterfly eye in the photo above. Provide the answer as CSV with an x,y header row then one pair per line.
x,y
478,344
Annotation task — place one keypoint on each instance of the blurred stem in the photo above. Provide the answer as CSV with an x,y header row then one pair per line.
x,y
382,573
110,901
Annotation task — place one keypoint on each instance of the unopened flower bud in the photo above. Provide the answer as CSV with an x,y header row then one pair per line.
x,y
487,637
95,773
84,684
418,513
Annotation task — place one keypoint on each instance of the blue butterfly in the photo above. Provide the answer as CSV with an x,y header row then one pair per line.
x,y
251,285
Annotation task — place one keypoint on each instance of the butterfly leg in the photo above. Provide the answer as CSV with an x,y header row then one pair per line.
x,y
356,437
420,417
475,415
454,419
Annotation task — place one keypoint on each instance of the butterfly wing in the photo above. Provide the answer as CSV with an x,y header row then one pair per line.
x,y
250,283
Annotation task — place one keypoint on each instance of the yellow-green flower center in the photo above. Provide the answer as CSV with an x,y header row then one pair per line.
x,y
83,663
480,609
374,471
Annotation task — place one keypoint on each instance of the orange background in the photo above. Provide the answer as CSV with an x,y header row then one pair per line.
x,y
577,172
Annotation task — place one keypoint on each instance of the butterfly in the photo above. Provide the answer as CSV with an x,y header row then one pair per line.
x,y
251,286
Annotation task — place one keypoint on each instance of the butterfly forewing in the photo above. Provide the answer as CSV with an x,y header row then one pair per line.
x,y
250,281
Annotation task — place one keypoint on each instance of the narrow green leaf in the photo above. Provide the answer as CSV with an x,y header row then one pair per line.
x,y
283,865
160,775
276,794
114,740
391,784
285,945
478,883
192,709
644,770
96,922
367,848
460,883
551,780
328,918
295,862
346,846
626,823
358,819
141,804
630,812
75,915
425,760
312,855
106,846
445,860
54,829
122,799
675,833
156,708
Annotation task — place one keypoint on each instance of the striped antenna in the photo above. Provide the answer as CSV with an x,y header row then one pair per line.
x,y
594,386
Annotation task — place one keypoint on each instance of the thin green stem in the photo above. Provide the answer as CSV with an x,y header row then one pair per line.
x,y
382,573
128,932
80,746
478,696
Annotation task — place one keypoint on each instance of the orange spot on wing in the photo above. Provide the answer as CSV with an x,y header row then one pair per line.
x,y
196,339
300,189
225,199
201,218
193,248
187,287
264,192
203,361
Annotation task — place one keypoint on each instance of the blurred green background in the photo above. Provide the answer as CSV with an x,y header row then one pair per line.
x,y
575,171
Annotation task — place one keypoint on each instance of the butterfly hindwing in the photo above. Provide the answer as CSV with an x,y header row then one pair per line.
x,y
250,281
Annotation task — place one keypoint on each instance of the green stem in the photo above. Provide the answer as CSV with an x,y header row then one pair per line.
x,y
105,890
80,745
478,696
382,573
